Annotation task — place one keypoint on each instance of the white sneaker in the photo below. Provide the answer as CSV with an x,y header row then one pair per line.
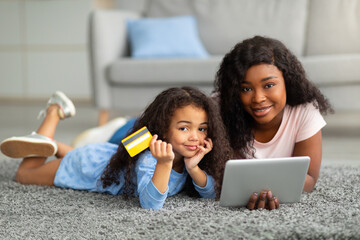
x,y
33,145
66,106
99,134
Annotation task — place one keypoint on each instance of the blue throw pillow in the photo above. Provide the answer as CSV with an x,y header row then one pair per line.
x,y
172,37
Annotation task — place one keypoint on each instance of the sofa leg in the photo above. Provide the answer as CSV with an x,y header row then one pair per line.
x,y
103,117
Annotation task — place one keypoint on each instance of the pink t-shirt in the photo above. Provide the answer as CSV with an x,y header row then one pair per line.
x,y
299,123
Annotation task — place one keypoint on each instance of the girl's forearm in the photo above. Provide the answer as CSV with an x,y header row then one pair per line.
x,y
162,175
198,176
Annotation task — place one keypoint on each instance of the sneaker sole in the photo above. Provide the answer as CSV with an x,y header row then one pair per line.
x,y
18,148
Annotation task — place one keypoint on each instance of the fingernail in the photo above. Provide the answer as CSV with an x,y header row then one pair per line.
x,y
270,194
263,196
254,196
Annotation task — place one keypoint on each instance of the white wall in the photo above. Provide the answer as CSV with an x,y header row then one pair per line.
x,y
43,48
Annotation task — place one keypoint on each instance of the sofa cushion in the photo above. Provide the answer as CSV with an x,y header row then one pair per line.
x,y
132,100
333,70
223,23
333,27
165,38
131,72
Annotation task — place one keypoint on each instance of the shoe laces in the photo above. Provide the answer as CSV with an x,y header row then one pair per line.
x,y
41,114
61,113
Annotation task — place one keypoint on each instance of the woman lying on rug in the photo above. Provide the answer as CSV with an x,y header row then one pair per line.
x,y
270,108
188,150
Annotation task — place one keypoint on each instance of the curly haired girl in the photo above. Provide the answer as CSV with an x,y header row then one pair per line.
x,y
188,150
270,108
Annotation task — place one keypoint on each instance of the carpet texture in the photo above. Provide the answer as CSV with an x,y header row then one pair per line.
x,y
332,211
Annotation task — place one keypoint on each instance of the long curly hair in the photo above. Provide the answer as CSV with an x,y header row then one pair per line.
x,y
156,118
231,74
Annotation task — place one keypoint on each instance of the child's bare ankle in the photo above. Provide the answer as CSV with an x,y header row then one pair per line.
x,y
52,109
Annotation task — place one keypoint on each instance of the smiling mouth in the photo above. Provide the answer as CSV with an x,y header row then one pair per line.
x,y
191,147
260,112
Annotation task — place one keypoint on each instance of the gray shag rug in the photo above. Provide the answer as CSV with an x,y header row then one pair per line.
x,y
331,211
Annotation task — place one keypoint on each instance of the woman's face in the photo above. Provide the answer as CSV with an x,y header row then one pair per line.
x,y
263,94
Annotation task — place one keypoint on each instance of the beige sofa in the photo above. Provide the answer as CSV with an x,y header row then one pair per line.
x,y
324,34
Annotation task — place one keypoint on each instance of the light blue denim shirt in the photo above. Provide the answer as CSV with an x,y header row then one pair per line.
x,y
82,169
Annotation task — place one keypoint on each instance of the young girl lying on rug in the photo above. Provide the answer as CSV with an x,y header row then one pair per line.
x,y
270,108
189,149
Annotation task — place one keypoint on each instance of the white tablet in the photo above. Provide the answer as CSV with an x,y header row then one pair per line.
x,y
285,177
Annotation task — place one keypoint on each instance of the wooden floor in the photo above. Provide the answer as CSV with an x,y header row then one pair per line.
x,y
341,136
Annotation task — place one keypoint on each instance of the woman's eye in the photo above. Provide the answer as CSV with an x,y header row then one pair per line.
x,y
269,85
245,89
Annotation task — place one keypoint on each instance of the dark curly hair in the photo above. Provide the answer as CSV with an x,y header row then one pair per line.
x,y
156,118
250,52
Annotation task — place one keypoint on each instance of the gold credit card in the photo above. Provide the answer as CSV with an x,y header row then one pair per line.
x,y
137,142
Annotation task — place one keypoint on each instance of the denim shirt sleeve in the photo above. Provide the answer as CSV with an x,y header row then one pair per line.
x,y
150,197
209,190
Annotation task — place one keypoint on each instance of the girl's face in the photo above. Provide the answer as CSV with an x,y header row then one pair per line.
x,y
263,94
187,131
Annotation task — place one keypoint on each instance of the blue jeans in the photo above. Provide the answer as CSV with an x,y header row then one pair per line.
x,y
122,132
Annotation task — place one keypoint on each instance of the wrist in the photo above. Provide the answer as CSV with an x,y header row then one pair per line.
x,y
198,176
193,170
165,165
161,176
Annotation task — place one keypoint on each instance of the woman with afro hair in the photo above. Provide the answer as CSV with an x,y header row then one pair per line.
x,y
270,108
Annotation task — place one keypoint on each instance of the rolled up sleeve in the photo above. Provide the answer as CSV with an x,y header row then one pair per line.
x,y
209,190
151,198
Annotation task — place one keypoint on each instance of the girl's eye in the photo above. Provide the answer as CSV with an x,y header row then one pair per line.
x,y
183,128
203,129
269,85
245,89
